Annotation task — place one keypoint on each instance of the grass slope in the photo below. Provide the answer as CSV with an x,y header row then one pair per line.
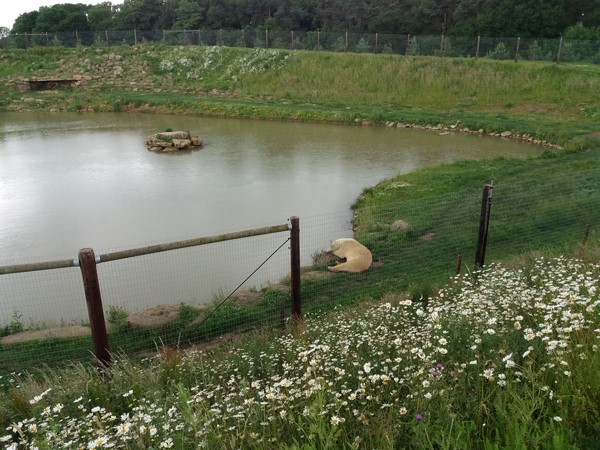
x,y
553,102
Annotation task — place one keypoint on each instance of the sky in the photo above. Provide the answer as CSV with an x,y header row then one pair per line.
x,y
11,9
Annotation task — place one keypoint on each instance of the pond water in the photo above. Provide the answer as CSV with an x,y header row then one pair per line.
x,y
70,180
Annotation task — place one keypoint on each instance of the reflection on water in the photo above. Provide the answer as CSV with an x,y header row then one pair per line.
x,y
71,180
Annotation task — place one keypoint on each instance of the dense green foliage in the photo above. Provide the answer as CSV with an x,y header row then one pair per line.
x,y
537,18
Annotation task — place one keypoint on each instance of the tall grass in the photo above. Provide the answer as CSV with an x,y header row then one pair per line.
x,y
499,359
436,84
527,97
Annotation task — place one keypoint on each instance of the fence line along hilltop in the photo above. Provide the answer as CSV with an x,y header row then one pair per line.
x,y
502,48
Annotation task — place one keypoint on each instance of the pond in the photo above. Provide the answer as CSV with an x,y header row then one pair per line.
x,y
70,180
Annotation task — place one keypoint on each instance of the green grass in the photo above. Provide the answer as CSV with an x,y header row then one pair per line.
x,y
541,204
505,358
550,101
540,208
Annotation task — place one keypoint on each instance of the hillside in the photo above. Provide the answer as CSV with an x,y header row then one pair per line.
x,y
551,101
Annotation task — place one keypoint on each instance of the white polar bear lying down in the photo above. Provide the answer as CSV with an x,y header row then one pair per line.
x,y
358,257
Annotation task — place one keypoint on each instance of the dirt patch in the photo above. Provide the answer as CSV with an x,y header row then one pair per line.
x,y
317,275
245,298
595,134
69,331
154,317
206,345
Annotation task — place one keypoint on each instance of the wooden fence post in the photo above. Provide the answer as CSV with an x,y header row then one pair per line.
x,y
91,286
560,44
458,264
282,313
295,269
484,222
586,233
478,45
518,47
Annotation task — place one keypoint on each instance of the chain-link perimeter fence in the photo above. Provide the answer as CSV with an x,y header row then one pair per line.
x,y
533,49
199,294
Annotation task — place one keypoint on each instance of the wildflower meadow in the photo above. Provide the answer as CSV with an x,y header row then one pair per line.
x,y
501,358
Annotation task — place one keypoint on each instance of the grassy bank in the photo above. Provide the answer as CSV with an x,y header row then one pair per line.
x,y
550,101
506,358
539,205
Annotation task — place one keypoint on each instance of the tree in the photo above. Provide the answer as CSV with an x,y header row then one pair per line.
x,y
61,17
295,15
25,22
138,14
100,17
168,15
189,15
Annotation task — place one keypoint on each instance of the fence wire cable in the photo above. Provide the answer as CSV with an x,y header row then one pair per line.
x,y
246,279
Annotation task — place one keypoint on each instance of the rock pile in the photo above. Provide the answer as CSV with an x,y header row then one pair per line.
x,y
172,141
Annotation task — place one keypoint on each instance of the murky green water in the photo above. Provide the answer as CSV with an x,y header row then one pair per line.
x,y
71,180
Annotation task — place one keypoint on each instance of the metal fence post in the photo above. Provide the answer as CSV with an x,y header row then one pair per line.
x,y
484,222
91,286
295,269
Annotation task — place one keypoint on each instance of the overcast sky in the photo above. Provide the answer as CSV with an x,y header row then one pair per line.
x,y
11,9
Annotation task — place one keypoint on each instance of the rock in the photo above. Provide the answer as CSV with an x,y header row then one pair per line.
x,y
181,143
170,141
154,317
400,224
506,134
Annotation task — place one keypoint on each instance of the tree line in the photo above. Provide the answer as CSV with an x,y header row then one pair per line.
x,y
578,19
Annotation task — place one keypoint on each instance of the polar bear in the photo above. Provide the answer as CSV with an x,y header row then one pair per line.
x,y
358,257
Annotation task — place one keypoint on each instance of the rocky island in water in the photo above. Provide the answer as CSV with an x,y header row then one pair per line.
x,y
172,141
